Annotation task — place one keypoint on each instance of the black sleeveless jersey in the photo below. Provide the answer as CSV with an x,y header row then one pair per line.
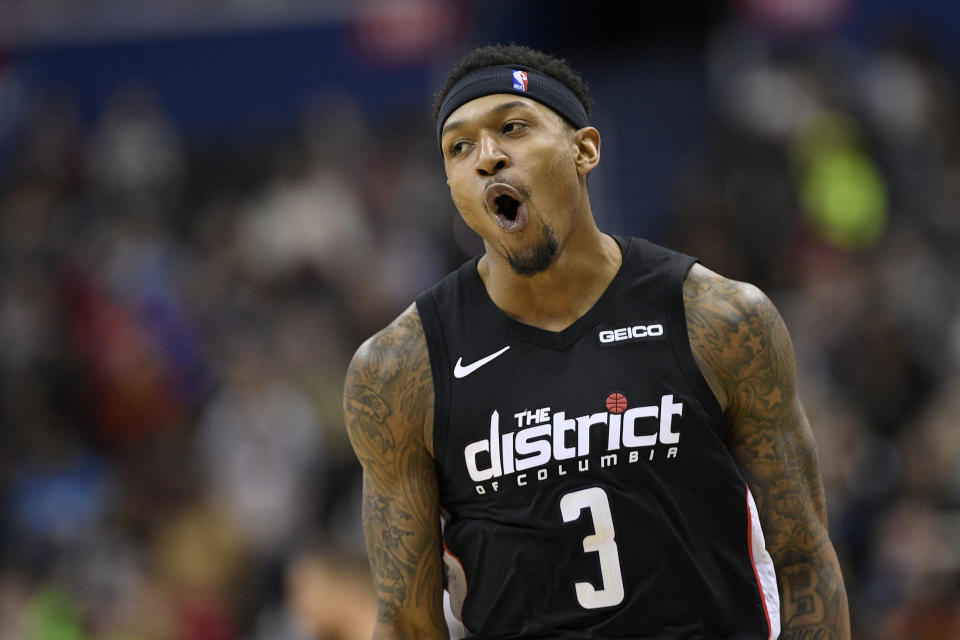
x,y
586,488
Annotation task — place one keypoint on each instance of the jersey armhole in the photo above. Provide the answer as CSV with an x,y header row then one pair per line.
x,y
437,349
680,341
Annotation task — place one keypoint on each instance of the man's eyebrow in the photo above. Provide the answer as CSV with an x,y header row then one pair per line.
x,y
456,124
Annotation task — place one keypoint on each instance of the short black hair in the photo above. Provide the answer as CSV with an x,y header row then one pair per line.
x,y
500,54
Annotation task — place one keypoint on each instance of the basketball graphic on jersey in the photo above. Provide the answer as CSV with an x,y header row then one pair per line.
x,y
616,403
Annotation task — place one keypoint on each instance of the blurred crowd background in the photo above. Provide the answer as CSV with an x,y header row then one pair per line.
x,y
205,207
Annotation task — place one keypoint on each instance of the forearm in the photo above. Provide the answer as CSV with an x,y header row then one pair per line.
x,y
407,630
813,598
405,562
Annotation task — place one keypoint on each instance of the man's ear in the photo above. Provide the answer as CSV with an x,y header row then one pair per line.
x,y
587,141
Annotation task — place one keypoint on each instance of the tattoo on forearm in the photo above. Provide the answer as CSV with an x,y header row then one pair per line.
x,y
389,555
801,602
387,398
736,332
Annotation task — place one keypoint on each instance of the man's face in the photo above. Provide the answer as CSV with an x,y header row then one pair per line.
x,y
513,175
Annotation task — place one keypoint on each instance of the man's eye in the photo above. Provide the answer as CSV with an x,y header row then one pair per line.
x,y
510,127
457,148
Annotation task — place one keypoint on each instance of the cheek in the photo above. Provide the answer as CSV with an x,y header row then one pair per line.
x,y
459,203
561,173
468,207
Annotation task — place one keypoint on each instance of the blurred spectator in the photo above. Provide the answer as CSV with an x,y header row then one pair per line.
x,y
259,441
134,159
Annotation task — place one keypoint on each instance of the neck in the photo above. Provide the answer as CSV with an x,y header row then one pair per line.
x,y
555,298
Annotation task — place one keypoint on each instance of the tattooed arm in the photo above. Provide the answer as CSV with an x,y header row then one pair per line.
x,y
388,405
744,350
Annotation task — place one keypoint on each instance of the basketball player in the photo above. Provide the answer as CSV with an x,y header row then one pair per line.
x,y
576,434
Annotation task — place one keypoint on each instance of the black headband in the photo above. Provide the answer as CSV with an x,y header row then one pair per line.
x,y
517,80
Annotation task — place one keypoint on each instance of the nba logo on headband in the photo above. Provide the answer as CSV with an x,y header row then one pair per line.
x,y
520,80
532,84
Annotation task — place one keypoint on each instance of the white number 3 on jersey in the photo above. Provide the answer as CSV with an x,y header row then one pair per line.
x,y
602,542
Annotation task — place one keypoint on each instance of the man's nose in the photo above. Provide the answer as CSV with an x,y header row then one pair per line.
x,y
491,157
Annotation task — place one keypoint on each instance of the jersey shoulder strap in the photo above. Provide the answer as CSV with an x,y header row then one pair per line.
x,y
436,303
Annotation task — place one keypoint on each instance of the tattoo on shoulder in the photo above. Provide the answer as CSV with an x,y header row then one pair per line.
x,y
393,364
737,331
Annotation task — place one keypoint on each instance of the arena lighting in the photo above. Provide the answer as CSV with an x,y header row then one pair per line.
x,y
841,189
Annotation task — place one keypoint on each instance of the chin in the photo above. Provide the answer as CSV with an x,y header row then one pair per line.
x,y
537,258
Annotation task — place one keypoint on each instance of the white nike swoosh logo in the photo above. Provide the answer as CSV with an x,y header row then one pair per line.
x,y
460,371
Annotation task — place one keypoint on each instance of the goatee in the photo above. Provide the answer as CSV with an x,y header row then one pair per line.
x,y
538,258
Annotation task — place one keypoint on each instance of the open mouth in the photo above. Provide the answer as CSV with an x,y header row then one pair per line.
x,y
507,205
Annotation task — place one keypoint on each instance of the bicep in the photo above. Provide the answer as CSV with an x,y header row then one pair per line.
x,y
777,456
770,437
744,350
386,399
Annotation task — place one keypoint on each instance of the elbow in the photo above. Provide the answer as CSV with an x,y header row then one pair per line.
x,y
410,626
